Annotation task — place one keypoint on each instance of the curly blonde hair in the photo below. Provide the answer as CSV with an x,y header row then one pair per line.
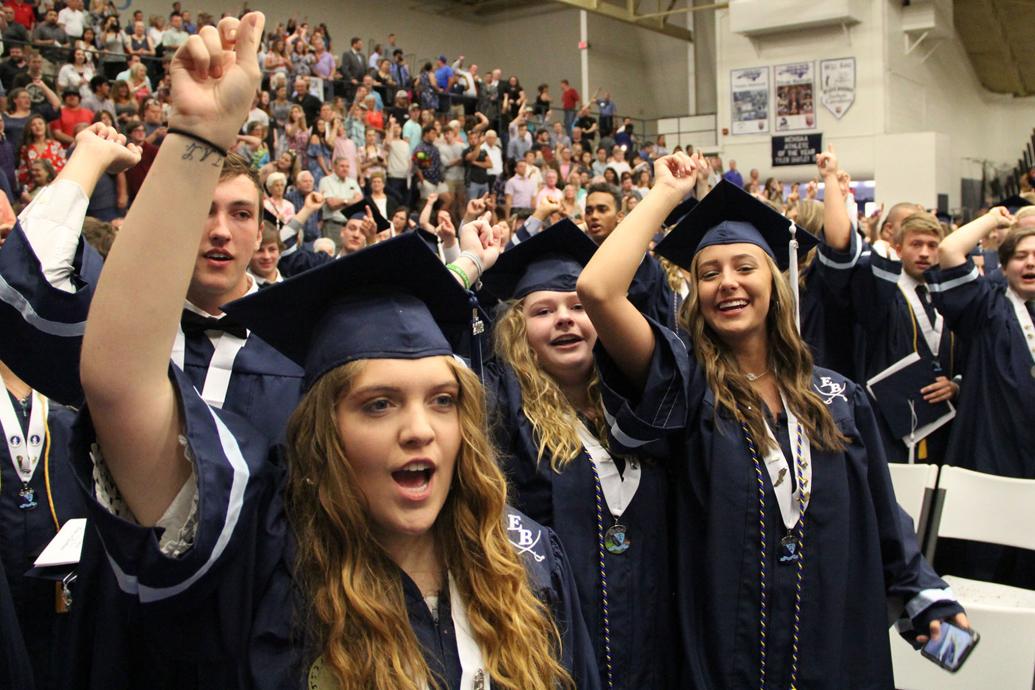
x,y
790,361
355,615
553,418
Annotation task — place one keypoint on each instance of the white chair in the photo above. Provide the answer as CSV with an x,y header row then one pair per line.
x,y
914,485
997,510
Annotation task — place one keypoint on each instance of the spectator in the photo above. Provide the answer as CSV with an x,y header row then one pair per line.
x,y
126,107
76,74
489,97
113,48
541,108
139,83
301,60
618,162
558,137
427,165
397,152
427,88
15,34
38,144
385,202
303,187
49,38
72,19
154,121
375,57
41,174
14,65
733,175
570,103
276,60
310,103
353,65
513,98
520,190
19,109
400,70
371,155
323,66
40,88
492,147
274,202
476,164
412,130
520,142
24,12
8,162
451,153
338,190
625,138
139,43
549,188
606,110
71,115
588,126
174,36
189,26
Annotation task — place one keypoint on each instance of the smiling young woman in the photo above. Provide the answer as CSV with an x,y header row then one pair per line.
x,y
608,510
790,537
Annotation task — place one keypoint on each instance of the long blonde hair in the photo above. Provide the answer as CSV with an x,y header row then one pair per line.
x,y
355,614
790,361
553,418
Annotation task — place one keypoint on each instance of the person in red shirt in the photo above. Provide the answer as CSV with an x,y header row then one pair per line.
x,y
24,13
570,103
70,115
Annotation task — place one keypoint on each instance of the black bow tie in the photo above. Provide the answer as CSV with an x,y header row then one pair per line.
x,y
196,324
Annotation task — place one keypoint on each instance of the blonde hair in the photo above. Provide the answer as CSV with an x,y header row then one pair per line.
x,y
790,362
810,217
355,609
921,223
552,416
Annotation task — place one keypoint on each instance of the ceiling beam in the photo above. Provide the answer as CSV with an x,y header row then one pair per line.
x,y
627,14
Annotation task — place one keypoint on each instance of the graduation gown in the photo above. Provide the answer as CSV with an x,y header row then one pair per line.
x,y
827,325
15,669
995,425
860,549
25,533
225,613
44,327
641,621
868,283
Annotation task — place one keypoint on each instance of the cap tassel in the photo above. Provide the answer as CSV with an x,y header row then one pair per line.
x,y
792,273
477,336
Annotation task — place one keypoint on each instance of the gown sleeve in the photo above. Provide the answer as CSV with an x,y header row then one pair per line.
x,y
864,280
577,653
642,422
233,480
911,584
966,299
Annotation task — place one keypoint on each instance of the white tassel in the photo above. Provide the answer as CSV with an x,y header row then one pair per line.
x,y
792,274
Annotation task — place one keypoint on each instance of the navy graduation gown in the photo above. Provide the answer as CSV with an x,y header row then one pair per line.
x,y
640,595
43,330
650,293
826,325
868,284
995,426
25,533
860,549
226,613
15,669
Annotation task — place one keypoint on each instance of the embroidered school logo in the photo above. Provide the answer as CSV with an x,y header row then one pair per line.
x,y
35,440
525,543
14,441
830,390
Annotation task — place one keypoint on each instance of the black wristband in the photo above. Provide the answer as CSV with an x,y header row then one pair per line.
x,y
201,140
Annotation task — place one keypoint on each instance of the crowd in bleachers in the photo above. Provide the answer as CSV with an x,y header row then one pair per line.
x,y
467,384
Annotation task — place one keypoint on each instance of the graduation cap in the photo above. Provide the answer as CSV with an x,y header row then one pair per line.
x,y
550,260
679,212
360,307
729,215
358,210
1014,202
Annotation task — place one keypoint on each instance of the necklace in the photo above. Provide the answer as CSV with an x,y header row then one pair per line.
x,y
754,377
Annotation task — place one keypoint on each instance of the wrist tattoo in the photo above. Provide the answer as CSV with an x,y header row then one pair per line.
x,y
202,153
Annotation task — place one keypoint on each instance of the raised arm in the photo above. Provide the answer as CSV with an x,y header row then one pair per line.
x,y
604,284
837,226
953,250
136,308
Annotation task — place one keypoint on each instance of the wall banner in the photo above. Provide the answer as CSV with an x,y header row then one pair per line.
x,y
837,85
795,96
749,91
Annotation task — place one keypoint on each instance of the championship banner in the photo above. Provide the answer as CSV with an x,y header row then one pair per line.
x,y
795,97
749,90
837,85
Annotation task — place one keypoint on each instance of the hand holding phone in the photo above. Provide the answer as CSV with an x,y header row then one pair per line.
x,y
953,646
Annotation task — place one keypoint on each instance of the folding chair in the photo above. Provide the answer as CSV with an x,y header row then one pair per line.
x,y
914,490
997,510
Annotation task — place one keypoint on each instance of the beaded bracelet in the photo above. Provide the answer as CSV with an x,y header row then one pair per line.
x,y
459,273
474,259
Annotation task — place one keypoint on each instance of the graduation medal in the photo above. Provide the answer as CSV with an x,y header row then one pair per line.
x,y
616,540
788,550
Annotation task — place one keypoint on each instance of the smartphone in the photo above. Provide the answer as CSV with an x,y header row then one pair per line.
x,y
952,647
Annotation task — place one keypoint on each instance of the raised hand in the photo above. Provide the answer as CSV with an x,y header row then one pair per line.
x,y
476,207
1003,218
676,171
827,162
369,226
106,148
445,230
314,200
214,77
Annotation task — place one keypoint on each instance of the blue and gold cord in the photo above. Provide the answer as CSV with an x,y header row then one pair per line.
x,y
800,571
603,578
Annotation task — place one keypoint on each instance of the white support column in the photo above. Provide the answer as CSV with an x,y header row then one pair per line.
x,y
691,63
584,54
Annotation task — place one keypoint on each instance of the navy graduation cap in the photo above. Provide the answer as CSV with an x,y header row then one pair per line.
x,y
1014,202
550,260
361,307
358,210
679,212
729,215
